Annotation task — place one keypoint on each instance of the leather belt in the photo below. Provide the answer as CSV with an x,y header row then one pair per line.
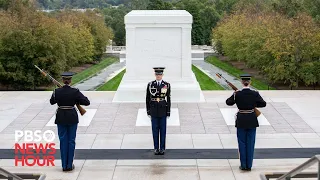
x,y
246,111
158,99
66,107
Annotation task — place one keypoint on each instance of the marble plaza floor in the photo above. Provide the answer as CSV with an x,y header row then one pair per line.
x,y
200,137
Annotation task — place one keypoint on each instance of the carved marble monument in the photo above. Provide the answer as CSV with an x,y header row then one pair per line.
x,y
158,38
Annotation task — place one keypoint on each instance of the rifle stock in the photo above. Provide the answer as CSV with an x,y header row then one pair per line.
x,y
235,89
80,108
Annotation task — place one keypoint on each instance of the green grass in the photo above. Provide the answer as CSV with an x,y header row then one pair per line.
x,y
112,84
205,82
236,72
89,72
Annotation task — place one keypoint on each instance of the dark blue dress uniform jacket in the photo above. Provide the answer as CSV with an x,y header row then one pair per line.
x,y
162,108
68,96
246,99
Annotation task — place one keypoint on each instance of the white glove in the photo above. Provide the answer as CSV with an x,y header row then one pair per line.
x,y
149,116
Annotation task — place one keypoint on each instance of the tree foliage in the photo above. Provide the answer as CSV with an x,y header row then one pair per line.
x,y
55,43
159,5
283,45
205,17
114,18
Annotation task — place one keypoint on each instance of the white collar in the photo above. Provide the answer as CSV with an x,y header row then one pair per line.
x,y
159,81
246,87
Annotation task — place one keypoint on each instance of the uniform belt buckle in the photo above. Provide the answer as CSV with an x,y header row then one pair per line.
x,y
158,99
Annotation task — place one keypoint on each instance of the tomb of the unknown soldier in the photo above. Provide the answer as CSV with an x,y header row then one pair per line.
x,y
157,114
158,38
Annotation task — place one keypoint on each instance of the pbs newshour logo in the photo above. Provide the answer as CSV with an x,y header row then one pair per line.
x,y
36,149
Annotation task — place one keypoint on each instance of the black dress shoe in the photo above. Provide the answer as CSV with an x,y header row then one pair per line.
x,y
64,169
69,169
248,169
243,169
156,152
161,152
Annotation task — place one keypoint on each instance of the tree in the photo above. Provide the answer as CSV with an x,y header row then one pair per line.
x,y
193,7
137,4
114,18
224,6
101,33
294,43
288,8
211,19
33,39
313,8
78,40
54,42
159,5
284,49
4,4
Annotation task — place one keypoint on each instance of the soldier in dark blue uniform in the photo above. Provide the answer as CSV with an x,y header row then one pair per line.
x,y
67,118
158,103
246,100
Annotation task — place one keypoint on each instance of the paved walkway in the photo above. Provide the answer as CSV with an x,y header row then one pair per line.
x,y
188,169
211,70
203,131
103,76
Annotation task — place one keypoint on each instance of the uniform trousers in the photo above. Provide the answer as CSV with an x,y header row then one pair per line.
x,y
246,142
159,126
67,137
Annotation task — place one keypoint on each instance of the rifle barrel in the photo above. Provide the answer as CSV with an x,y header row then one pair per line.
x,y
37,67
47,74
220,75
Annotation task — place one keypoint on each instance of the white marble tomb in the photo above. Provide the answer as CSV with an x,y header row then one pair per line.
x,y
158,38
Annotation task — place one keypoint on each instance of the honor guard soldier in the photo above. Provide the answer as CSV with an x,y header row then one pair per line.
x,y
67,118
246,100
158,103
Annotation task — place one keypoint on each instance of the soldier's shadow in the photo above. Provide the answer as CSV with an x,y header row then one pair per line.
x,y
157,169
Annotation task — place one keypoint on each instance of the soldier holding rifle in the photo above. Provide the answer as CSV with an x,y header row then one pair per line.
x,y
66,116
247,101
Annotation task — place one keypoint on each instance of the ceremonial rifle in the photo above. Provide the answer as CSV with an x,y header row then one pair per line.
x,y
235,89
80,108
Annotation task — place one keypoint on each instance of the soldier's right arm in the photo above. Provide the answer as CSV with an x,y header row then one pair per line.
x,y
53,98
82,100
148,99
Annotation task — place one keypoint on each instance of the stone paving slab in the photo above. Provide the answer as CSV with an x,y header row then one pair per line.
x,y
182,141
285,116
194,169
